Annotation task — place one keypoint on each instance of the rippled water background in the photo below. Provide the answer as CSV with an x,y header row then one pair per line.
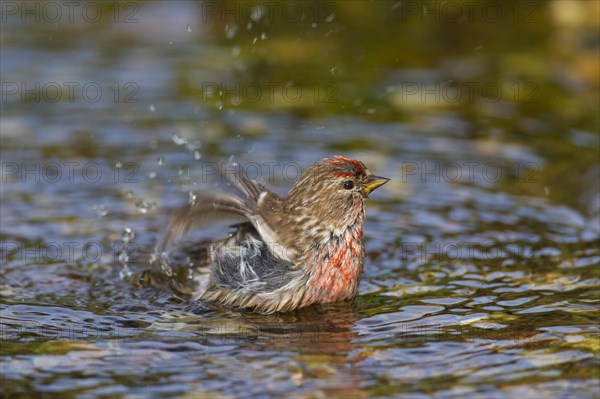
x,y
481,278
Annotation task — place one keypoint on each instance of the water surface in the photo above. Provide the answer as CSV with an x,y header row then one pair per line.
x,y
481,277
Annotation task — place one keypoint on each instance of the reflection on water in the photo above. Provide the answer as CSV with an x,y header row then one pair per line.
x,y
481,278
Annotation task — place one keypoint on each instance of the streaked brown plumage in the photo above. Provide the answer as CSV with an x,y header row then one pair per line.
x,y
289,252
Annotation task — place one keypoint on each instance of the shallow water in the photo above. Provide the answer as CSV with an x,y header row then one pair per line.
x,y
481,277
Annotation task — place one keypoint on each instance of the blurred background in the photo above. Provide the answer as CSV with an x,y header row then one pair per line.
x,y
481,278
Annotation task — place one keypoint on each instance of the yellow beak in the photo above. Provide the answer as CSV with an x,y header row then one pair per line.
x,y
372,182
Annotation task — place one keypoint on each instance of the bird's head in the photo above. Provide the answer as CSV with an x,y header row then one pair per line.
x,y
332,191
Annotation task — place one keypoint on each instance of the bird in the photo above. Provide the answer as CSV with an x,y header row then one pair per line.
x,y
286,252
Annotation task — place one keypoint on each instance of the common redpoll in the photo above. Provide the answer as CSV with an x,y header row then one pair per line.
x,y
288,252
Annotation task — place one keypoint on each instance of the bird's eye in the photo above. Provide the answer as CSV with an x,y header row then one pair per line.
x,y
348,184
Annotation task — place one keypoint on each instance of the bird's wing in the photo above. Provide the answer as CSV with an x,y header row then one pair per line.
x,y
242,261
205,210
264,206
255,206
250,188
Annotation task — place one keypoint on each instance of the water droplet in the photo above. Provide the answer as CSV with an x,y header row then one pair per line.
x,y
192,198
152,174
118,165
189,28
160,160
165,264
129,194
192,146
124,272
144,205
314,25
230,31
127,235
330,17
101,210
152,108
255,40
256,13
179,140
197,155
249,26
263,36
123,257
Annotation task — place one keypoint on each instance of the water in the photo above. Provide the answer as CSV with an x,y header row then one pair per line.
x,y
481,276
